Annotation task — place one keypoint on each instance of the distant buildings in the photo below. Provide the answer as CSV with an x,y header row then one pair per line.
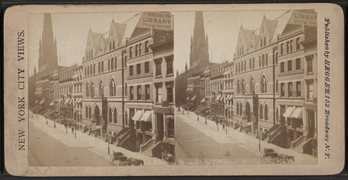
x,y
269,89
124,87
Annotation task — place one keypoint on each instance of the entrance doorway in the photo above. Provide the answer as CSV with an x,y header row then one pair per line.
x,y
97,115
159,127
247,111
311,125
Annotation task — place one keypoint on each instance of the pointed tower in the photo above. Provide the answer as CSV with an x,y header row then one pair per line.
x,y
48,59
199,56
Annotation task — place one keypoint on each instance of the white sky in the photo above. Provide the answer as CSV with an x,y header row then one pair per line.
x,y
222,28
71,30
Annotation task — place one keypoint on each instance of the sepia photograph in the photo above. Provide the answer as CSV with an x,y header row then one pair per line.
x,y
101,89
248,90
174,90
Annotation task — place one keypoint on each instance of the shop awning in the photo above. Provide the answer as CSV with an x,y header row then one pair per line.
x,y
37,101
222,98
67,100
203,100
218,97
77,100
288,112
297,113
137,115
80,100
71,100
194,97
188,98
42,101
75,76
52,103
146,117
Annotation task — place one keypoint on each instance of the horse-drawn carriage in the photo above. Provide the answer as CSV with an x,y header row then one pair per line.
x,y
119,159
269,156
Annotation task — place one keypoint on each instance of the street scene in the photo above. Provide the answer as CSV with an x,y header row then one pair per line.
x,y
101,89
246,87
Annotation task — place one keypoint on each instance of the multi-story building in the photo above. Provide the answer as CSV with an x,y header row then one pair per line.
x,y
228,92
207,92
102,83
66,91
163,85
296,82
77,95
217,88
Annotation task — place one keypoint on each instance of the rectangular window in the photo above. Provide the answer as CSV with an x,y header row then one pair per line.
x,y
170,94
158,68
131,93
138,92
147,92
290,65
288,47
298,88
309,65
297,43
282,89
290,89
130,52
136,50
146,46
131,70
138,68
140,48
310,90
298,63
281,49
291,45
282,67
169,65
159,94
147,67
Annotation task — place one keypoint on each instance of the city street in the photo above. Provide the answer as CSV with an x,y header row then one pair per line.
x,y
195,144
51,146
196,140
45,150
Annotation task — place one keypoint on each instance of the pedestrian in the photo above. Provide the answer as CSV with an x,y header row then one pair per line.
x,y
197,117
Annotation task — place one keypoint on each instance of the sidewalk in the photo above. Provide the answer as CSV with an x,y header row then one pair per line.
x,y
234,136
94,144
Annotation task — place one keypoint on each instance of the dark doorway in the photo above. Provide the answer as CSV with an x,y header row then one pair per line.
x,y
247,111
159,127
97,115
310,124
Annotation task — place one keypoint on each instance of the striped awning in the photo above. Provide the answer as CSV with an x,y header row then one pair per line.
x,y
288,112
67,100
218,97
137,115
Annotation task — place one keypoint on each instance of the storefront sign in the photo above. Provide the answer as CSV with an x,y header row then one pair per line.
x,y
156,20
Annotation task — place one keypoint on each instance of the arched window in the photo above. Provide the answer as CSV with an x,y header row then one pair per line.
x,y
243,86
266,59
241,109
98,67
260,61
253,63
250,64
252,85
244,65
110,115
238,86
112,88
115,59
92,89
86,112
90,113
237,108
261,112
101,89
266,112
263,60
87,90
115,115
112,63
263,84
109,65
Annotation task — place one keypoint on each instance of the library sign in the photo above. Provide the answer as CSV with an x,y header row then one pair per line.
x,y
305,16
156,20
